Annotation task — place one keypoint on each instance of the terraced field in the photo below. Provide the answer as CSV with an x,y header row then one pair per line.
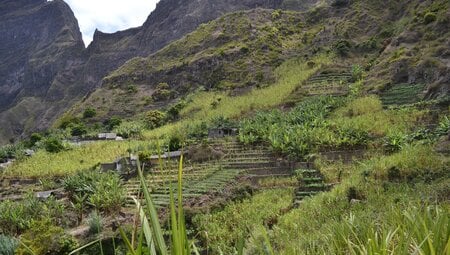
x,y
327,84
401,94
311,183
212,176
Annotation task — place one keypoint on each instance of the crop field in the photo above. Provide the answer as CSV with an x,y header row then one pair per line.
x,y
401,94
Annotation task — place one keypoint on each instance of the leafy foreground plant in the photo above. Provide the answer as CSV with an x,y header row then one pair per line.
x,y
151,229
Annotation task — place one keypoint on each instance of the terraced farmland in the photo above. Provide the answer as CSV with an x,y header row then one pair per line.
x,y
212,176
401,94
311,183
327,84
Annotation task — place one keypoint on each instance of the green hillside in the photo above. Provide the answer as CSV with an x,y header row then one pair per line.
x,y
342,143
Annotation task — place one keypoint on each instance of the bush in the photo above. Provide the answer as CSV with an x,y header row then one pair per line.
x,y
43,238
154,119
175,142
78,130
89,113
53,145
162,92
132,129
174,111
8,245
108,194
429,17
35,138
357,72
113,122
68,120
343,47
103,191
95,222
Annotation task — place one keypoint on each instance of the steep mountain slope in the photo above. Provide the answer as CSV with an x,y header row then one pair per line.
x,y
40,41
240,51
45,67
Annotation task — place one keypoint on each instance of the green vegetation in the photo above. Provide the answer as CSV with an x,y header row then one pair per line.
x,y
89,113
223,230
45,238
103,191
312,125
256,70
403,94
71,161
8,245
289,75
17,217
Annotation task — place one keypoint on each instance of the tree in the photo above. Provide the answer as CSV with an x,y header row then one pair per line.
x,y
89,113
154,119
78,130
53,145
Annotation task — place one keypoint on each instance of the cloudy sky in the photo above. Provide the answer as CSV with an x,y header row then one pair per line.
x,y
110,15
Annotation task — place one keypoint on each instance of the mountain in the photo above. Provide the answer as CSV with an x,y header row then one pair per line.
x,y
40,45
45,68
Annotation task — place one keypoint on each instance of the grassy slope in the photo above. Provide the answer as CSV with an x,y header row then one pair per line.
x,y
330,223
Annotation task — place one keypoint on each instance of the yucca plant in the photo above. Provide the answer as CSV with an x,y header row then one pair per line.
x,y
151,230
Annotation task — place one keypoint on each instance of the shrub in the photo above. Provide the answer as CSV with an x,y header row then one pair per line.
x,y
132,89
78,130
8,245
53,145
343,47
43,238
413,161
357,72
95,222
162,92
154,119
131,129
429,17
175,142
112,122
108,195
89,113
103,191
35,138
67,120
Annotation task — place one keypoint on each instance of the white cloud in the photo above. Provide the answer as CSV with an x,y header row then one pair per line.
x,y
110,15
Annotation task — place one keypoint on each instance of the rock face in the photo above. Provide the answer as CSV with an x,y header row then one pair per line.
x,y
40,41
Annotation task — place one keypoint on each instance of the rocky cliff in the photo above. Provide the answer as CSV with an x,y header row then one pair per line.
x,y
40,42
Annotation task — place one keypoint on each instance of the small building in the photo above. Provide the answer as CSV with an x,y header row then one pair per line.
x,y
172,155
222,132
107,136
124,165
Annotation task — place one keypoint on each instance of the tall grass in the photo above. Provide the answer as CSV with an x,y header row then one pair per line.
x,y
367,114
289,75
45,164
413,231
